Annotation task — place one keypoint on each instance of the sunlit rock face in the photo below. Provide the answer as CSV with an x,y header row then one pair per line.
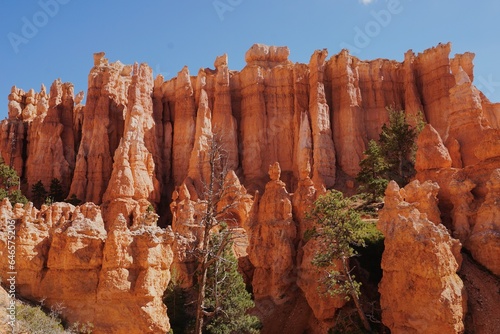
x,y
113,278
420,289
142,143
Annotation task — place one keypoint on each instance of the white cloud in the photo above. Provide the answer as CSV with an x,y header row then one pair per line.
x,y
366,2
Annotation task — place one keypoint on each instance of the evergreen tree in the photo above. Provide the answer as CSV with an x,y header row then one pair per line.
x,y
56,192
397,143
226,300
393,157
221,301
339,229
176,298
39,194
16,196
8,177
9,185
372,176
73,200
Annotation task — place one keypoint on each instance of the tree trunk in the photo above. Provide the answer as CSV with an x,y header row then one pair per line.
x,y
400,166
202,282
199,305
355,298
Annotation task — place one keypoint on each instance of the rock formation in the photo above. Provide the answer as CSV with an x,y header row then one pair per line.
x,y
420,289
188,207
225,126
462,199
114,279
52,139
267,126
133,180
484,240
323,305
347,112
431,153
184,125
102,128
141,142
205,145
467,180
424,198
272,242
185,224
323,171
257,113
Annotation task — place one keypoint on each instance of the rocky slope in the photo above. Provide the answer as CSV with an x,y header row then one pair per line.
x,y
289,131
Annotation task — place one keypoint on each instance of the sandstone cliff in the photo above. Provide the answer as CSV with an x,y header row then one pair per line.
x,y
101,129
257,112
113,278
141,141
465,167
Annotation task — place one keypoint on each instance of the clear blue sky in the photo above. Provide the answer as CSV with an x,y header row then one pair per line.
x,y
170,34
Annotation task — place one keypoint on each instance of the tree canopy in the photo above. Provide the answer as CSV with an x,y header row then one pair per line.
x,y
56,191
226,296
339,229
392,158
38,193
9,185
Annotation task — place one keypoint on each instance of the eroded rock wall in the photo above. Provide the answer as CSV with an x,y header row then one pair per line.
x,y
137,140
112,278
257,113
420,289
465,166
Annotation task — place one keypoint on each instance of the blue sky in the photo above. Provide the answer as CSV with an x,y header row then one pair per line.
x,y
42,40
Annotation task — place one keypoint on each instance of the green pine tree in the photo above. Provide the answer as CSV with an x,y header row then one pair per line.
x,y
38,193
9,185
339,229
8,177
226,299
372,176
56,192
73,200
393,157
397,143
16,196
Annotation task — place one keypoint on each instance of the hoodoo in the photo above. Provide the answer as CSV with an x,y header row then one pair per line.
x,y
289,131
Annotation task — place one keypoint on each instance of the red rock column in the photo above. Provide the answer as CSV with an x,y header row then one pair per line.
x,y
102,128
184,126
223,122
272,238
323,166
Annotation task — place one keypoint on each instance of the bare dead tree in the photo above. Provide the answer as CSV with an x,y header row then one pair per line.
x,y
213,222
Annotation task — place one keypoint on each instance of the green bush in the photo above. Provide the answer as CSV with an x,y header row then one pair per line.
x,y
35,320
371,255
